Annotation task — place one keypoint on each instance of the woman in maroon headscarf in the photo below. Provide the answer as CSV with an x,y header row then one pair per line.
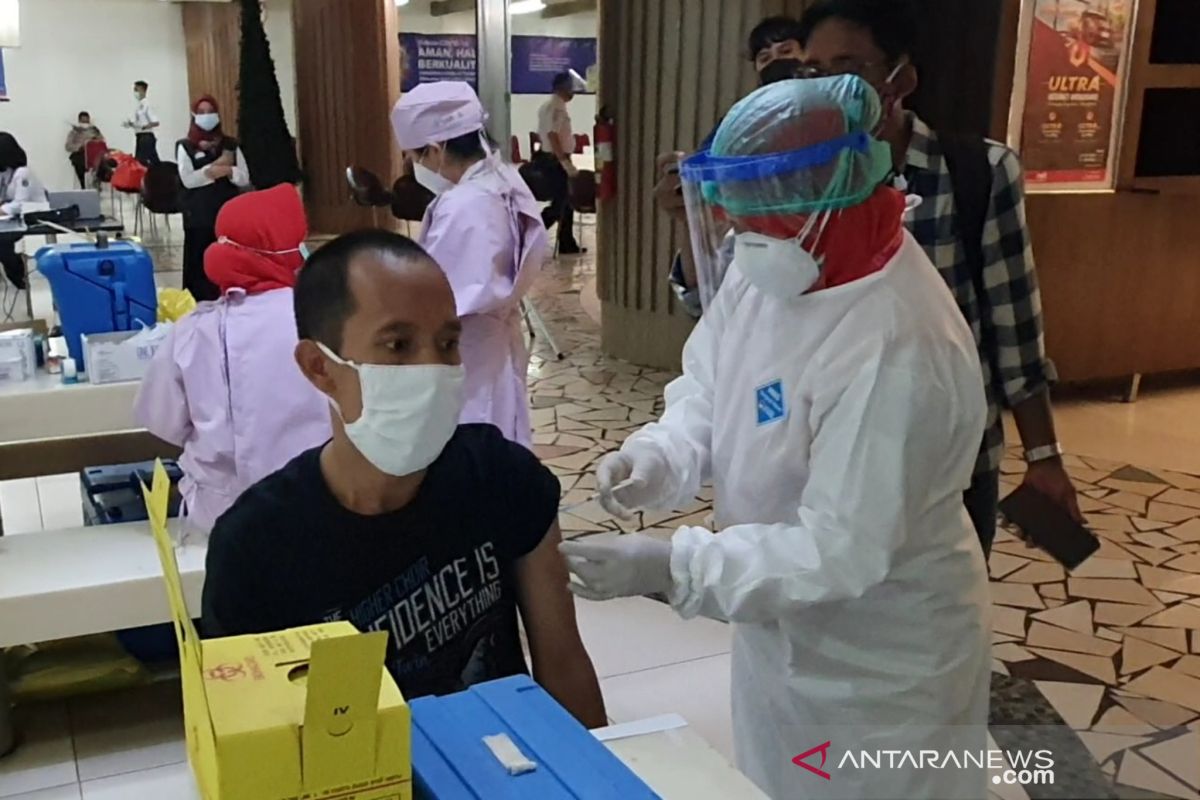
x,y
213,172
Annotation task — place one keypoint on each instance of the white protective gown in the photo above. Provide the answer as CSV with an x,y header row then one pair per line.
x,y
840,431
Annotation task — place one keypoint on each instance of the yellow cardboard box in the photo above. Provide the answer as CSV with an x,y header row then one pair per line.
x,y
303,714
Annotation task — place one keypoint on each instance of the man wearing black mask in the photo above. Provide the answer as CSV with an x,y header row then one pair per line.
x,y
774,48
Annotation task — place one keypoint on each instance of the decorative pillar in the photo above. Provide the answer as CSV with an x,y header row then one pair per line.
x,y
347,79
495,66
668,72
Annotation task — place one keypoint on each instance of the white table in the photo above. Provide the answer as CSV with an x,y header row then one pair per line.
x,y
676,762
45,408
58,584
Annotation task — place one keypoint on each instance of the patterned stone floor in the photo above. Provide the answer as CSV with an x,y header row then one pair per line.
x,y
1114,646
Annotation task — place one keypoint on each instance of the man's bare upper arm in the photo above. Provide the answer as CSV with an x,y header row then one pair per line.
x,y
547,607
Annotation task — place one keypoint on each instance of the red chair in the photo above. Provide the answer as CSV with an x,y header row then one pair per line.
x,y
127,179
93,152
582,141
514,150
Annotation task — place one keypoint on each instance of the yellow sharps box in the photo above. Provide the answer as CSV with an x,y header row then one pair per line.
x,y
302,714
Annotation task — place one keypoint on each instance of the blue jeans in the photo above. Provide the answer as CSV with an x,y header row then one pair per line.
x,y
983,504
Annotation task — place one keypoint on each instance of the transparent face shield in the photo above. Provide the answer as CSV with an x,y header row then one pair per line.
x,y
783,160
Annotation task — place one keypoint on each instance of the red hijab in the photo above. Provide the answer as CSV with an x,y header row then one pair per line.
x,y
857,242
195,133
258,239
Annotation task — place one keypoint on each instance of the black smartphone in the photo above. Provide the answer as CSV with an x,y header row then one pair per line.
x,y
1049,526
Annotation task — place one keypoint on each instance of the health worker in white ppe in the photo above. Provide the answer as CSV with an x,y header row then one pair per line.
x,y
485,231
831,393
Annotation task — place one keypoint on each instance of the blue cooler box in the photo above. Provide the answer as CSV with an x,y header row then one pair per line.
x,y
451,762
99,289
114,494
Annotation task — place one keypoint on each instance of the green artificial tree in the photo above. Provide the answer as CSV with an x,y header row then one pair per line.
x,y
262,128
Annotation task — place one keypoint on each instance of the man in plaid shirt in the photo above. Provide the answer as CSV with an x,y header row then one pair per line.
x,y
873,39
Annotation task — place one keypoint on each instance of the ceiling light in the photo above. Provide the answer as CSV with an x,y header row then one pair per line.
x,y
10,23
525,6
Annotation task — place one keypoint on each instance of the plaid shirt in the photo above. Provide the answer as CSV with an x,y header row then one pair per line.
x,y
1015,367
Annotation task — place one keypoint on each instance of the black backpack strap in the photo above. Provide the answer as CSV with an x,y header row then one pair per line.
x,y
971,175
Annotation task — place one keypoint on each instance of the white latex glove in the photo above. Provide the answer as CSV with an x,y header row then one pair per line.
x,y
631,480
609,567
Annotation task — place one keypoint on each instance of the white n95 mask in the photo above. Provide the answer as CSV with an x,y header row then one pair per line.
x,y
783,268
409,413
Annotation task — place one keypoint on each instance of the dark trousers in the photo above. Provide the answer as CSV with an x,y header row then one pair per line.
x,y
80,165
195,242
983,504
559,212
14,264
146,150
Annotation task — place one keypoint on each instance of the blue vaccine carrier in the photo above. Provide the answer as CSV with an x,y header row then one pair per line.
x,y
451,762
99,288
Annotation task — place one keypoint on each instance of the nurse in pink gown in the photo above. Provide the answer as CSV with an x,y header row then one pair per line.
x,y
485,230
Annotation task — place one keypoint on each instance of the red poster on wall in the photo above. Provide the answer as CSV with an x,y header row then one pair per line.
x,y
1077,50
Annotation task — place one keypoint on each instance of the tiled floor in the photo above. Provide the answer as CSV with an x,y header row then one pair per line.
x,y
1114,648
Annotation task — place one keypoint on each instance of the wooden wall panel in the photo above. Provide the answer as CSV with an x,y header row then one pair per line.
x,y
1119,271
347,79
1120,275
669,71
212,34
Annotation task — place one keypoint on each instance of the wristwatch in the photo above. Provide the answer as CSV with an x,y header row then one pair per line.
x,y
1043,453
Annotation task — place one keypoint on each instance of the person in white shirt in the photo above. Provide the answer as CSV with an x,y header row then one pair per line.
x,y
558,143
213,171
20,191
143,122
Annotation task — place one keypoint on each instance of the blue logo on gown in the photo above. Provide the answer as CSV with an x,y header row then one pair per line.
x,y
771,405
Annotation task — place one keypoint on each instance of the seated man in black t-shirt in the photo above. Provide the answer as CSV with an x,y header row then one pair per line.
x,y
405,521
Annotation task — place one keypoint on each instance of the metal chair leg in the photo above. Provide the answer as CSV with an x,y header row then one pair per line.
x,y
532,315
1134,388
528,322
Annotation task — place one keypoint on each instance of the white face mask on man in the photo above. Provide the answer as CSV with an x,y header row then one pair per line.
x,y
409,413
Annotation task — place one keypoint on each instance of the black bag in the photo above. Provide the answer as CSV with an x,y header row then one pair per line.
x,y
536,174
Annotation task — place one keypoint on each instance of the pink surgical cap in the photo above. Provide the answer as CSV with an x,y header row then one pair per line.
x,y
436,112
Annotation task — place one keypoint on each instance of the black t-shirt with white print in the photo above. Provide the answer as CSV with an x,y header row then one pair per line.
x,y
437,575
